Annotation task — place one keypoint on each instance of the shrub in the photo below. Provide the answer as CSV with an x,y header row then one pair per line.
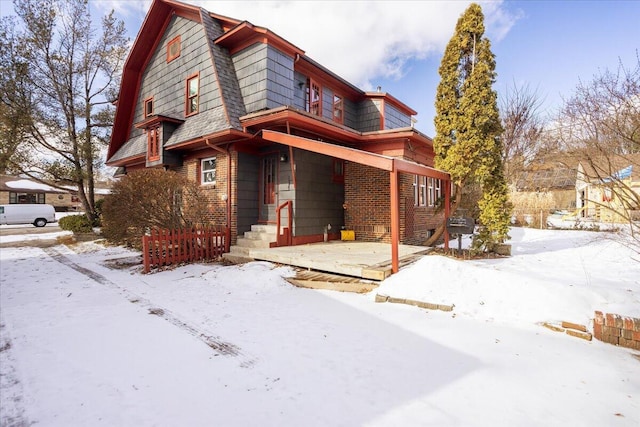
x,y
151,198
75,223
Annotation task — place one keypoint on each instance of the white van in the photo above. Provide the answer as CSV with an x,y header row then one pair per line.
x,y
38,215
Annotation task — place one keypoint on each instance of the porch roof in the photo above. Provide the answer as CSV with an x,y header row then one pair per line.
x,y
378,161
391,164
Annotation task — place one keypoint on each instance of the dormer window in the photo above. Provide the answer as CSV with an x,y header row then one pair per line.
x,y
192,91
148,107
173,49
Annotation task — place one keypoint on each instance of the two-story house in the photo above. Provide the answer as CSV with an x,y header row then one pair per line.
x,y
272,136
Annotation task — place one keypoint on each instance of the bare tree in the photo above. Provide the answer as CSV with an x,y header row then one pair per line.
x,y
600,125
72,74
603,115
14,100
523,127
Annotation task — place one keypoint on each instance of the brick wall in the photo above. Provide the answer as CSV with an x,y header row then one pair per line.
x,y
366,195
214,193
416,222
618,330
367,202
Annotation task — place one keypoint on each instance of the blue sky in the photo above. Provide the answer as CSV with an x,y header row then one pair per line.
x,y
548,45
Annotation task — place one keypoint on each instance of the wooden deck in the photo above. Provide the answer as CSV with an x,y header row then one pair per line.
x,y
364,260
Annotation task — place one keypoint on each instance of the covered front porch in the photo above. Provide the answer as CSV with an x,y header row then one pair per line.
x,y
366,260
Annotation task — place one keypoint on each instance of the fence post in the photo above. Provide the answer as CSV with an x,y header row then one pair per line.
x,y
145,254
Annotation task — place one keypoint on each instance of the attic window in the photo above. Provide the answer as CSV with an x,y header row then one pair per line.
x,y
173,49
148,107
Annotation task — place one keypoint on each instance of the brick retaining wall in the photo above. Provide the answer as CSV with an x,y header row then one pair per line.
x,y
618,330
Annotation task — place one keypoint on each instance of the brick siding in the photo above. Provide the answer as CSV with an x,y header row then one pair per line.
x,y
214,194
617,330
367,207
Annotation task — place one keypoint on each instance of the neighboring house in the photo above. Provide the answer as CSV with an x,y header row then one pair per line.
x,y
555,181
14,190
18,190
264,129
608,188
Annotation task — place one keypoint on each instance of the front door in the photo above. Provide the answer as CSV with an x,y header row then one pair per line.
x,y
268,191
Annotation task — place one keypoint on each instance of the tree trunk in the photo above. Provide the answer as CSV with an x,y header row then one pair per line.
x,y
440,229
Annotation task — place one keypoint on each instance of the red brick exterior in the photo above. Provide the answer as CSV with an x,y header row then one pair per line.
x,y
617,330
215,193
367,207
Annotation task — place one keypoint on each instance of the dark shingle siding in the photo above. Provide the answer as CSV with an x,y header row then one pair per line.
x,y
166,81
199,125
133,147
394,119
369,115
228,84
250,66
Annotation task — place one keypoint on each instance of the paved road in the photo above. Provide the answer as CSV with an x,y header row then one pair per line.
x,y
11,230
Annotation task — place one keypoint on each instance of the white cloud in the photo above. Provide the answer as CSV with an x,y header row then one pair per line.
x,y
358,40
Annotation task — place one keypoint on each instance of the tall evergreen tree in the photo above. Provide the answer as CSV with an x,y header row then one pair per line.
x,y
468,129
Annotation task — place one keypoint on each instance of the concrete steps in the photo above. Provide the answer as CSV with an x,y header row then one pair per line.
x,y
260,236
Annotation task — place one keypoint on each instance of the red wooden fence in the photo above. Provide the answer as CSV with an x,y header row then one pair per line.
x,y
166,247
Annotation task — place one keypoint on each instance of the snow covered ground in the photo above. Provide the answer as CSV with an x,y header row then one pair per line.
x,y
87,340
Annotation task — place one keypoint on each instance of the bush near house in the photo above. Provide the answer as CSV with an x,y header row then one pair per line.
x,y
75,224
151,198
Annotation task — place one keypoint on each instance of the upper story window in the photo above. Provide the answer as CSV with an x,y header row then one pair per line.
x,y
208,171
192,92
338,109
314,98
173,49
148,107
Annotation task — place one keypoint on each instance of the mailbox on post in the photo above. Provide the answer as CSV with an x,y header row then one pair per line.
x,y
457,226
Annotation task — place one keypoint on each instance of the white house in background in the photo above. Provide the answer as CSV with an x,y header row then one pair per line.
x,y
608,189
19,190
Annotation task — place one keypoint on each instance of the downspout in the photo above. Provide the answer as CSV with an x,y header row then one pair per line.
x,y
395,217
228,153
447,202
291,163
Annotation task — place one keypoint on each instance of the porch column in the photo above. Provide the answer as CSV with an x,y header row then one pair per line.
x,y
395,219
447,202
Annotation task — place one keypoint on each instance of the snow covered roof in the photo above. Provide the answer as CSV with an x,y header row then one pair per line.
x,y
14,183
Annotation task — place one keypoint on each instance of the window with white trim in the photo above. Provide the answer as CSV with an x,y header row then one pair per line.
x,y
419,190
208,171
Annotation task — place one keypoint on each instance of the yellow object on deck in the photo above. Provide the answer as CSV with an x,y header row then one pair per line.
x,y
347,235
